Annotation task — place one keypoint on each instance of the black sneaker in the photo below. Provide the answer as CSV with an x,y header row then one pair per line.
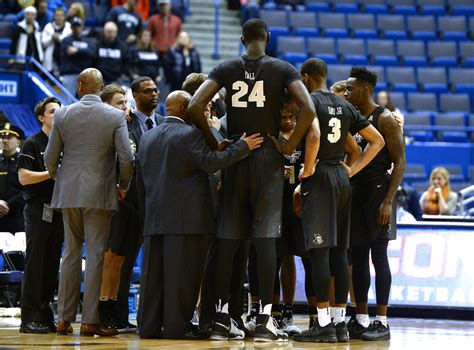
x,y
376,331
221,326
318,334
312,320
267,330
126,327
355,329
341,332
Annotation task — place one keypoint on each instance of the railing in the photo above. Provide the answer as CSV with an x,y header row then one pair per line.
x,y
462,201
31,64
216,54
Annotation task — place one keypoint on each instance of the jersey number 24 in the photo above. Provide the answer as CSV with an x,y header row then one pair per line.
x,y
257,94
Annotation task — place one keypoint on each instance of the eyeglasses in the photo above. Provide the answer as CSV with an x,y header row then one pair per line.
x,y
150,91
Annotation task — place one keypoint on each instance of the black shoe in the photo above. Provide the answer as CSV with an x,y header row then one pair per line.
x,y
34,327
221,326
126,327
318,334
376,331
267,330
53,326
341,332
312,320
193,332
355,329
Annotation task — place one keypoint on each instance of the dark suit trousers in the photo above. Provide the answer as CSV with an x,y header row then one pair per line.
x,y
207,307
43,252
172,269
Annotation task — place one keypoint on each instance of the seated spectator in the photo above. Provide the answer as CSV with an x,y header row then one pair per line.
x,y
142,7
26,39
144,59
76,9
439,199
43,15
182,60
339,88
52,35
383,99
164,27
128,21
112,55
77,53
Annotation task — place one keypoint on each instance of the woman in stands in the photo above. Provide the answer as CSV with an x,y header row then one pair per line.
x,y
439,199
144,58
76,9
383,99
52,35
182,60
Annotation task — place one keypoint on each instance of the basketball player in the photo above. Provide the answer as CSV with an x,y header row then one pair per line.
x,y
252,189
373,208
326,199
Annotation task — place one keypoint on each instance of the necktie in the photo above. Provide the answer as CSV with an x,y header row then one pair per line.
x,y
149,123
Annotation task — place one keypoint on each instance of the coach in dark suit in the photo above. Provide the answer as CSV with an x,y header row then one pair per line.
x,y
174,193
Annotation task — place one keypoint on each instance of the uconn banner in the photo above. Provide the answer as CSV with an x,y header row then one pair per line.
x,y
9,88
432,265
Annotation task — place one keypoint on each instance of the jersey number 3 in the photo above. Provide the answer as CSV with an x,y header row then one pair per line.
x,y
335,133
256,95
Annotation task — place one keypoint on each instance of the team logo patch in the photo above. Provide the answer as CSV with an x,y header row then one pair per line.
x,y
133,145
294,156
317,238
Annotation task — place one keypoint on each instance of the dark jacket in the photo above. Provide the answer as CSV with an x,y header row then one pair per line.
x,y
112,60
172,178
82,59
144,63
179,67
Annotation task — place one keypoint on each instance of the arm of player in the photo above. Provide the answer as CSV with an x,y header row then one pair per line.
x,y
313,138
197,106
352,149
28,177
300,94
375,143
395,143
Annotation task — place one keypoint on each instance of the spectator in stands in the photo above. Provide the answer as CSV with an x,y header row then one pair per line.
x,y
11,196
383,99
76,9
144,59
439,199
182,60
339,88
44,227
142,7
164,28
77,53
112,56
43,15
26,39
128,21
52,35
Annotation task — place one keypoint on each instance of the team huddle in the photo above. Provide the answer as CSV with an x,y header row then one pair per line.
x,y
347,195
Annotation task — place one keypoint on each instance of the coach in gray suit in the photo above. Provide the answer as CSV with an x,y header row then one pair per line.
x,y
91,135
173,190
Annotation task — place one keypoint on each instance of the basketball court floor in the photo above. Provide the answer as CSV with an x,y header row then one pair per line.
x,y
406,334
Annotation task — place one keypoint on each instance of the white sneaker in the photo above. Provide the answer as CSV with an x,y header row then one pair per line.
x,y
289,327
235,333
267,330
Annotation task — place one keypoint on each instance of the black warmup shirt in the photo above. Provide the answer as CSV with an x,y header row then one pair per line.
x,y
378,167
255,93
336,119
32,158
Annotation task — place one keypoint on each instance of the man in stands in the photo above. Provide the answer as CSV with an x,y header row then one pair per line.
x,y
164,27
128,21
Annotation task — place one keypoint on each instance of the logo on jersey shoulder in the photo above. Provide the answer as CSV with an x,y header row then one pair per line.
x,y
294,156
317,239
358,138
249,76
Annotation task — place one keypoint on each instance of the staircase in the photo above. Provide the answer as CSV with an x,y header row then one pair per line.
x,y
201,27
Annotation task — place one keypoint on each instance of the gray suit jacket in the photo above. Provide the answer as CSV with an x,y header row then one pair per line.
x,y
172,178
90,134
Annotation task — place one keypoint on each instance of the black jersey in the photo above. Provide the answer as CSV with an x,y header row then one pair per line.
x,y
336,118
294,161
255,93
378,167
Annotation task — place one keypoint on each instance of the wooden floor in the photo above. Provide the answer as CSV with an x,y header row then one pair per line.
x,y
406,334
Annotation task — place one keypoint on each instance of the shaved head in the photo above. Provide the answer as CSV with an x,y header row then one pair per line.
x,y
90,81
177,104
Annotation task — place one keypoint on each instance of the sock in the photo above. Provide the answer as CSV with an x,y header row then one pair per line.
x,y
267,309
363,319
339,314
324,317
287,310
382,319
332,311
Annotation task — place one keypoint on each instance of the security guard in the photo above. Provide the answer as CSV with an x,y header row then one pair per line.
x,y
11,196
